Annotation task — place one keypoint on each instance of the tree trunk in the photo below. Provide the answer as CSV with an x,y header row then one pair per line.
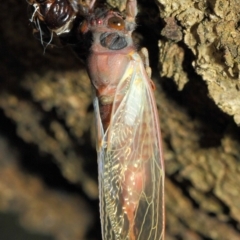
x,y
48,173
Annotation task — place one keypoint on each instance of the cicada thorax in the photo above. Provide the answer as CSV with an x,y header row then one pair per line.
x,y
52,17
108,57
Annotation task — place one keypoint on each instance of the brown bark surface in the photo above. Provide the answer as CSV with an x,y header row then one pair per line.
x,y
48,169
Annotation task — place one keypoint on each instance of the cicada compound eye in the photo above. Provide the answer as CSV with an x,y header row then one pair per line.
x,y
116,23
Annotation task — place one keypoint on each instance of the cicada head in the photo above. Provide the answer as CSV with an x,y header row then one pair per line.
x,y
110,29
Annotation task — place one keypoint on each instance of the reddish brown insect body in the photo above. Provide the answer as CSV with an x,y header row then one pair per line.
x,y
129,149
131,172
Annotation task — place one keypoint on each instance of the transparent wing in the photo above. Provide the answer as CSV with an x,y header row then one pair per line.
x,y
131,176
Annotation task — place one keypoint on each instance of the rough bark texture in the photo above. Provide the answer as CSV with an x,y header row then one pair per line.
x,y
48,173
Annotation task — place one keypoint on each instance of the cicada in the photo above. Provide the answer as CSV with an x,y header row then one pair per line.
x,y
130,159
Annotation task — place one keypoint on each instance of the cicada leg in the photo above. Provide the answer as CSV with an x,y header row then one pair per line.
x,y
144,55
145,58
131,10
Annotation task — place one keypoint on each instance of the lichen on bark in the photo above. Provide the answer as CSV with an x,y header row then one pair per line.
x,y
211,31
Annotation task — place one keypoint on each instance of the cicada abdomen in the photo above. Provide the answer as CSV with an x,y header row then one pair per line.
x,y
131,172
